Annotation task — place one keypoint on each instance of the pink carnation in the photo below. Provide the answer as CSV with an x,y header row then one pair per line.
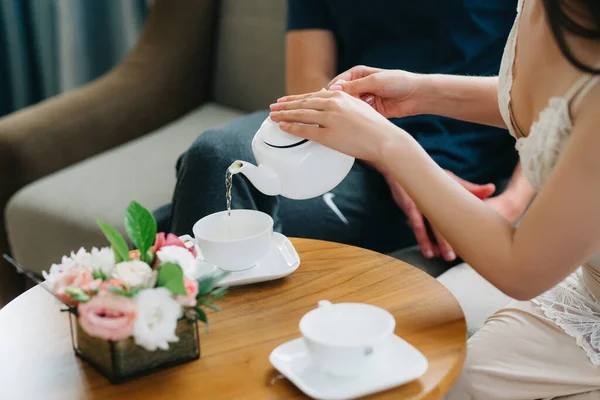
x,y
76,278
112,282
168,239
108,316
191,289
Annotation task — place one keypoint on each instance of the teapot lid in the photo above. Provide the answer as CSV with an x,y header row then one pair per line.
x,y
274,136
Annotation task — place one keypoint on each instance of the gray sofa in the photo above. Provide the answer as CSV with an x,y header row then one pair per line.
x,y
56,214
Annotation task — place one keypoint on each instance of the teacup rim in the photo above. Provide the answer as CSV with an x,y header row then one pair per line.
x,y
388,331
213,215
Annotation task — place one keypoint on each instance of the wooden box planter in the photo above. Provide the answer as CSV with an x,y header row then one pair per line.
x,y
123,360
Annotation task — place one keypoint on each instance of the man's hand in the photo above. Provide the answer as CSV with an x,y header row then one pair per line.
x,y
504,205
430,241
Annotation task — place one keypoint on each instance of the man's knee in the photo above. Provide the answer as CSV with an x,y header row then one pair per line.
x,y
212,151
219,147
196,157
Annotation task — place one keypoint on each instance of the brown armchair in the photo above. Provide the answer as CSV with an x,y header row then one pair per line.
x,y
166,75
211,60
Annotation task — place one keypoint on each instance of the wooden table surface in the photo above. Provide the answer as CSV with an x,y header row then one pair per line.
x,y
37,360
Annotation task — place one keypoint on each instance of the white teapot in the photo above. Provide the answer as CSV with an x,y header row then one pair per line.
x,y
292,167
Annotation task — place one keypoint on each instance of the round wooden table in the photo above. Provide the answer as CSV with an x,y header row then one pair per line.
x,y
37,360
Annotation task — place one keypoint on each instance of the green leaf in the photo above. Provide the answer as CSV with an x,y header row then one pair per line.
x,y
77,294
170,276
205,286
149,258
118,258
99,274
201,315
208,304
119,245
117,290
219,293
140,226
207,283
121,292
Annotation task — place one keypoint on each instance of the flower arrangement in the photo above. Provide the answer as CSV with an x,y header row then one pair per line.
x,y
117,293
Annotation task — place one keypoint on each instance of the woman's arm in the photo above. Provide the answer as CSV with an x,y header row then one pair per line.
x,y
396,94
559,232
472,99
310,60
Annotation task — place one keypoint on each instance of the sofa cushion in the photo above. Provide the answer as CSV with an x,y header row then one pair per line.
x,y
250,61
478,298
57,213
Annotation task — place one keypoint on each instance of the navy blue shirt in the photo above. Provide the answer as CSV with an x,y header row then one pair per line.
x,y
464,37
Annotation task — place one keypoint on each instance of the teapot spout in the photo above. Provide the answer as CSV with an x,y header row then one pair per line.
x,y
262,177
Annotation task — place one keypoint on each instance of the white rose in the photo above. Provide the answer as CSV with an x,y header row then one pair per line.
x,y
135,274
79,260
156,319
103,260
98,260
180,256
58,270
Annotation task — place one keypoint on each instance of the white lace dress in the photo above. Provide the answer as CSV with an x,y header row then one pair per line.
x,y
548,348
571,304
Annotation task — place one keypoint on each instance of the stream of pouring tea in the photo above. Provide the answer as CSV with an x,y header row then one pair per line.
x,y
228,186
232,170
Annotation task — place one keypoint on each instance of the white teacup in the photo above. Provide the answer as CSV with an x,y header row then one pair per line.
x,y
237,242
344,339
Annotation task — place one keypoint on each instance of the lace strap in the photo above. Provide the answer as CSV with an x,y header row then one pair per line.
x,y
517,130
580,89
590,83
511,53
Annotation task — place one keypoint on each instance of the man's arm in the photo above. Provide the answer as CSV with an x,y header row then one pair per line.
x,y
513,202
511,205
310,60
311,54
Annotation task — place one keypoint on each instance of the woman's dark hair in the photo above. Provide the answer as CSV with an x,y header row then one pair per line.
x,y
562,18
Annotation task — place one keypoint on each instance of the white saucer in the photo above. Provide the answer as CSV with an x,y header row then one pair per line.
x,y
401,363
281,261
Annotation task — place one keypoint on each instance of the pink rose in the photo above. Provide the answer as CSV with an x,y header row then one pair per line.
x,y
108,316
164,240
191,289
77,278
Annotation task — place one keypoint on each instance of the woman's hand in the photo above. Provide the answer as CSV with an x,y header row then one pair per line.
x,y
393,93
336,120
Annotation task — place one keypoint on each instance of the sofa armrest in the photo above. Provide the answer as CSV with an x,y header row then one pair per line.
x,y
166,75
